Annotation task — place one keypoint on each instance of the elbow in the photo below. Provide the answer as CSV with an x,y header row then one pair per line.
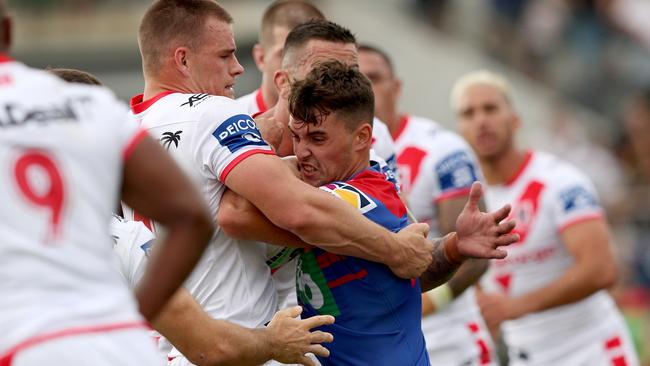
x,y
230,221
609,275
220,354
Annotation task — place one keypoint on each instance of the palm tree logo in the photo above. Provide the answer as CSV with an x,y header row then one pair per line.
x,y
169,137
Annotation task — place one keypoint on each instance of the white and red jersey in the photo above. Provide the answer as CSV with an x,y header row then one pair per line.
x,y
208,136
436,164
384,147
133,242
253,103
547,196
62,151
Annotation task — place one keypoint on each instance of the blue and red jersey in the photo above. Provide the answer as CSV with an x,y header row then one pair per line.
x,y
377,313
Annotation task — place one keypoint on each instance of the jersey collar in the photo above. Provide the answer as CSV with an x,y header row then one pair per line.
x,y
403,121
138,105
5,58
521,169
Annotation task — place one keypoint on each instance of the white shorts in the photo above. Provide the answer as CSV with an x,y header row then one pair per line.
x,y
612,349
468,344
125,347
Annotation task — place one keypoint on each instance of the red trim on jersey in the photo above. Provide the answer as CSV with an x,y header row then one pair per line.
x,y
8,356
403,121
327,259
135,140
5,58
580,219
473,327
139,105
614,342
522,167
460,192
345,279
375,184
239,159
259,99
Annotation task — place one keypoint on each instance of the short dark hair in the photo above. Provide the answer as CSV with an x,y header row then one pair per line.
x,y
289,14
169,20
333,87
322,30
75,76
380,52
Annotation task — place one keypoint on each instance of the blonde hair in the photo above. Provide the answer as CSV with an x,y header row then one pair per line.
x,y
481,77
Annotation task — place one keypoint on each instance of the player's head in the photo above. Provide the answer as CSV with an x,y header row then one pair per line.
x,y
486,117
278,20
5,27
75,76
332,110
316,41
378,67
189,45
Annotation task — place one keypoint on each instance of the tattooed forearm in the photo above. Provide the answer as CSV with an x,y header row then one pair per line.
x,y
467,275
440,270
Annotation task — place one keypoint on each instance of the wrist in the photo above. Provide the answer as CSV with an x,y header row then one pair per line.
x,y
266,340
440,296
452,254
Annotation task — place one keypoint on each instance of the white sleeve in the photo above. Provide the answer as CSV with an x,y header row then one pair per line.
x,y
574,199
133,243
127,131
229,138
454,170
384,147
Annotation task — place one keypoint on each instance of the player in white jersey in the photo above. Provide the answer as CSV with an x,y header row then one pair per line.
x,y
207,341
437,169
549,296
66,151
220,146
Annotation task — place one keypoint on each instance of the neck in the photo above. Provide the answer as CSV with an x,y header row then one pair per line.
x,y
502,168
392,120
269,94
360,164
153,86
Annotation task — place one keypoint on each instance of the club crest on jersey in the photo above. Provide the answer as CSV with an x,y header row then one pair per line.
x,y
237,132
456,171
351,195
146,247
195,100
576,198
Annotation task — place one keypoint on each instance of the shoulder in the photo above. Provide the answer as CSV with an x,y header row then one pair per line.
x,y
558,173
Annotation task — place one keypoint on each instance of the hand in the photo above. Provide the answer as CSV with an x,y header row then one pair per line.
x,y
271,129
292,163
292,338
480,233
416,251
497,308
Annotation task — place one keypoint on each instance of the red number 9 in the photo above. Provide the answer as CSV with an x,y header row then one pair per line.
x,y
52,198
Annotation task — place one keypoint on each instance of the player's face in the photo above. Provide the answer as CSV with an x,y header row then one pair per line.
x,y
324,151
214,66
384,84
487,121
317,51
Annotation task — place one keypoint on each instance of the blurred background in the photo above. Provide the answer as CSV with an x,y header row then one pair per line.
x,y
580,71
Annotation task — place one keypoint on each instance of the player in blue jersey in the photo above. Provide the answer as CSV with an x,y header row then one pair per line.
x,y
378,314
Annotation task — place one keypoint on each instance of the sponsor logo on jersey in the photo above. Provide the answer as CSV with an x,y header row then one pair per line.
x,y
312,288
351,195
456,171
576,198
12,114
195,100
146,247
170,137
237,132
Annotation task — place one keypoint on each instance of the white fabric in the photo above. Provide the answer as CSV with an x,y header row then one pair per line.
x,y
548,196
68,142
249,103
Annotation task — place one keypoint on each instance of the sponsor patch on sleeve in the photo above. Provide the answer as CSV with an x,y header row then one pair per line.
x,y
456,171
578,198
237,132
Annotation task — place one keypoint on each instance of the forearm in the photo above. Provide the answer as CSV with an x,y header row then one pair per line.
x,y
205,341
240,219
467,275
444,265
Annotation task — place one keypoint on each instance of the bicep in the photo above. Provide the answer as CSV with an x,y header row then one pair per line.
x,y
588,240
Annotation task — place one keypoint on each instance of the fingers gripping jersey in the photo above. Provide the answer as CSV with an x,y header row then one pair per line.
x,y
435,165
62,150
547,196
377,313
208,136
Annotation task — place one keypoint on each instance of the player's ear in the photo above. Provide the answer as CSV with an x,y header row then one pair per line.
x,y
258,56
181,60
282,83
6,33
398,88
363,137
